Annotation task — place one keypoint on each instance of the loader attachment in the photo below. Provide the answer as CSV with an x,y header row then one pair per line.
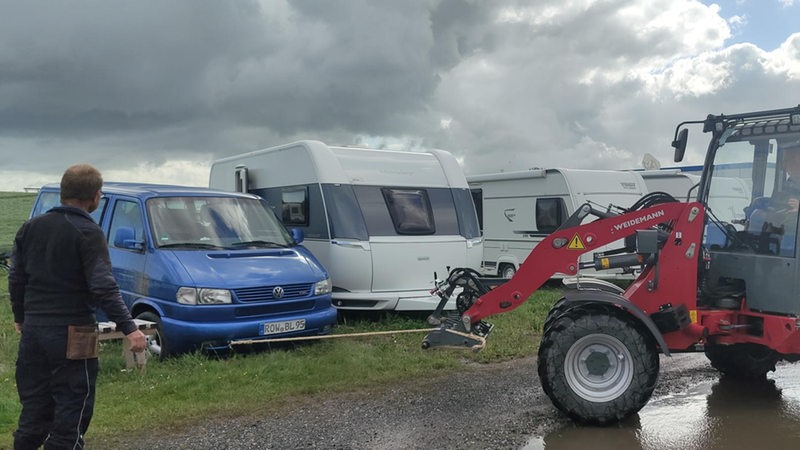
x,y
453,333
457,330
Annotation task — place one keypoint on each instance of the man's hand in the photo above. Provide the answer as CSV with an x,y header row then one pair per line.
x,y
136,341
793,204
18,327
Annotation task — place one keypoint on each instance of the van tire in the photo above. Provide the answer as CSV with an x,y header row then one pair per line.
x,y
156,345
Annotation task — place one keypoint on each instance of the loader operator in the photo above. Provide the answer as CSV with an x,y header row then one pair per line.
x,y
782,220
774,219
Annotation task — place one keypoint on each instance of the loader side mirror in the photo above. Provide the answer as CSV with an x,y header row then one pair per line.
x,y
680,144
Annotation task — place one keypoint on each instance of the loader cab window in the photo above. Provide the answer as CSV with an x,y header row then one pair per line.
x,y
550,214
768,222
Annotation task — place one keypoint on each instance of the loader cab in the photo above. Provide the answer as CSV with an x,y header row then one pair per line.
x,y
751,253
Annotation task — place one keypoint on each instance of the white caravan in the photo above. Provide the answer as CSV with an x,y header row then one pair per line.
x,y
681,185
382,222
517,210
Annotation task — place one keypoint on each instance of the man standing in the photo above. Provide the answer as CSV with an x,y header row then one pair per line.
x,y
60,274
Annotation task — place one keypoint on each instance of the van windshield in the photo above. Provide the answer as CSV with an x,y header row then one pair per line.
x,y
215,222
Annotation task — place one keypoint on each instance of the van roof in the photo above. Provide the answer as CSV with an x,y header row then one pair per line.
x,y
154,190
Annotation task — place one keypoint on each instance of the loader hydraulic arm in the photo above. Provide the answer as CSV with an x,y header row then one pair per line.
x,y
560,252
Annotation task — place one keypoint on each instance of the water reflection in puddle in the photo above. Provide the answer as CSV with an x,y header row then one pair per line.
x,y
713,414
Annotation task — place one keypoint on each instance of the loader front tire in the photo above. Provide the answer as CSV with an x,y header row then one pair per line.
x,y
597,364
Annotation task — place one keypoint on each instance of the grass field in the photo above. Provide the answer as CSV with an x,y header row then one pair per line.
x,y
182,391
14,209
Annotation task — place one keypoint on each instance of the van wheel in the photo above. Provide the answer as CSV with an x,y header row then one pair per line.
x,y
597,365
507,270
156,346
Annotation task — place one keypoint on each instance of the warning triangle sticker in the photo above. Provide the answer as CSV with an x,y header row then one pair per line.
x,y
575,243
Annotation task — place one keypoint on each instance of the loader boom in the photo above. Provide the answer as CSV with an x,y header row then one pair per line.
x,y
560,252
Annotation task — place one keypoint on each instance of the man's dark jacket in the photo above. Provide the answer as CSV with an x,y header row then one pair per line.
x,y
61,272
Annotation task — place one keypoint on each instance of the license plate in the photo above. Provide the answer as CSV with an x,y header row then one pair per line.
x,y
286,326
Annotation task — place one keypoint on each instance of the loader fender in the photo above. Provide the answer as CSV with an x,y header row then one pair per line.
x,y
584,296
590,283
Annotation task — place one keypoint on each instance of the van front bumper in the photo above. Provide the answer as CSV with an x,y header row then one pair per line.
x,y
184,335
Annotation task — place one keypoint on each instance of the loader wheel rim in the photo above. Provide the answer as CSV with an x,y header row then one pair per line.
x,y
598,368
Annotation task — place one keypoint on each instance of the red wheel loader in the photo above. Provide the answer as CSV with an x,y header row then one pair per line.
x,y
725,282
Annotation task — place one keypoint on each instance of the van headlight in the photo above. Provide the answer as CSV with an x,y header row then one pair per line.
x,y
203,296
322,287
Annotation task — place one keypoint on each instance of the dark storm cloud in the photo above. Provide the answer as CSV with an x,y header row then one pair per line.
x,y
132,69
135,85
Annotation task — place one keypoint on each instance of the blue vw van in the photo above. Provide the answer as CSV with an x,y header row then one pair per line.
x,y
209,267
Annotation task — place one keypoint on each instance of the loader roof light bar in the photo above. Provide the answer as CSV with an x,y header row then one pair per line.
x,y
787,118
756,123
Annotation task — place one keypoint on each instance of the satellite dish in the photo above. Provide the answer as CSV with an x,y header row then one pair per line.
x,y
650,162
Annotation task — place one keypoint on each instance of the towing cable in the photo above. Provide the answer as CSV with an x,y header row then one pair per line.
x,y
475,342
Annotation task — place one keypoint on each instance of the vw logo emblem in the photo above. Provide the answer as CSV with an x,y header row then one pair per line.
x,y
277,292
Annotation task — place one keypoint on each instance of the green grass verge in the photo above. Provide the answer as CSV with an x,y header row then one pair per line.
x,y
182,391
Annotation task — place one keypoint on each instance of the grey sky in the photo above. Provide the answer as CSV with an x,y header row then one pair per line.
x,y
153,91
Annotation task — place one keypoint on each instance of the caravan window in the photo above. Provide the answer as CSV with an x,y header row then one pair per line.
x,y
550,214
410,210
393,211
477,200
314,223
467,215
294,203
346,220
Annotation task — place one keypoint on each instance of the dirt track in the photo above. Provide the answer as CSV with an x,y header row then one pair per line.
x,y
497,406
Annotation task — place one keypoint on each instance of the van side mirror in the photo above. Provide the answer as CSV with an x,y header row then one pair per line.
x,y
297,235
680,144
125,237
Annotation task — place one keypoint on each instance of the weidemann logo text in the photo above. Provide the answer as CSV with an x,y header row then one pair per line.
x,y
638,220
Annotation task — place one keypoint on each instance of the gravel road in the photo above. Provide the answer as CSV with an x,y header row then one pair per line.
x,y
496,406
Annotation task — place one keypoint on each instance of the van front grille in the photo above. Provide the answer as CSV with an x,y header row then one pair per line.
x,y
267,293
274,309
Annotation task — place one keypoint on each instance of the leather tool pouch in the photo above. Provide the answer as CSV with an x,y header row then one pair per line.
x,y
82,342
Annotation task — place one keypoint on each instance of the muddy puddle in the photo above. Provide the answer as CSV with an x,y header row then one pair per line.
x,y
700,414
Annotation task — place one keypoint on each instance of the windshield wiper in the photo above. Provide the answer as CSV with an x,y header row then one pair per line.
x,y
258,243
201,245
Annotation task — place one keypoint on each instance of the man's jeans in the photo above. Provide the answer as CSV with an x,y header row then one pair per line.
x,y
57,394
